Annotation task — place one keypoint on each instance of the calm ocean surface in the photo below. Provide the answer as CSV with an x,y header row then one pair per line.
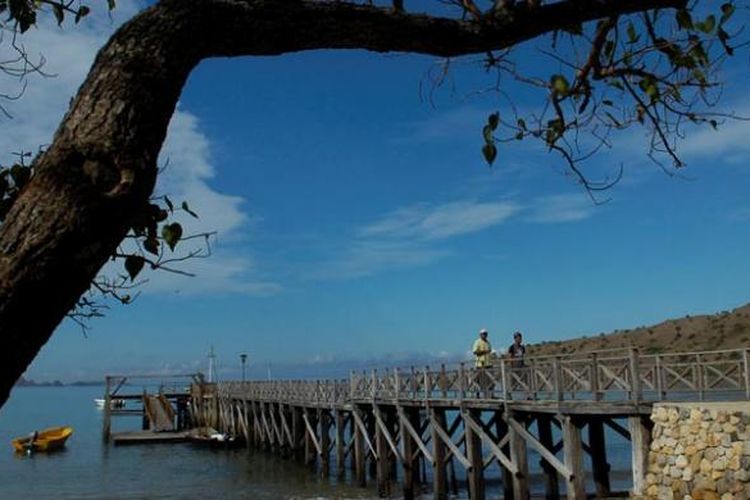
x,y
87,468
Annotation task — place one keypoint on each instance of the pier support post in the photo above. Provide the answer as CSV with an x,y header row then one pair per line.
x,y
246,422
298,432
640,437
519,457
408,447
324,423
360,458
551,480
369,422
501,429
381,463
437,418
310,450
573,449
107,424
340,422
474,454
599,464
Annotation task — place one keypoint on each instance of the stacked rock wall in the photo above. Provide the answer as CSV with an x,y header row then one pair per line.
x,y
699,451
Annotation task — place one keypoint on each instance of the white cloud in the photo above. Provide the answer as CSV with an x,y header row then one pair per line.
x,y
406,237
425,222
460,123
369,257
69,52
561,208
728,143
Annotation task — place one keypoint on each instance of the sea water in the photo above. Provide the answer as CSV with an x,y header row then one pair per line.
x,y
90,468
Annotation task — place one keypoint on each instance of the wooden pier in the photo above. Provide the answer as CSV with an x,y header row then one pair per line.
x,y
406,427
162,404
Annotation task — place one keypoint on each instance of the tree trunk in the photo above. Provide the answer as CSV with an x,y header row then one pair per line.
x,y
101,165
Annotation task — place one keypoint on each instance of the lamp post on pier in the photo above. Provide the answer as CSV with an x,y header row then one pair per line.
x,y
243,359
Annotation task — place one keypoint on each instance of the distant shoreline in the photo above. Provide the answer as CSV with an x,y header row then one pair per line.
x,y
56,383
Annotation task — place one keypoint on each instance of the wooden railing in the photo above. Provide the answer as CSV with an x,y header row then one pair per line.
x,y
598,376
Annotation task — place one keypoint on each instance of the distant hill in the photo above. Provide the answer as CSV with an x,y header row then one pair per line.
x,y
723,330
24,382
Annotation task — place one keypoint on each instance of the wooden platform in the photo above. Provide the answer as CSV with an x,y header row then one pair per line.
x,y
148,437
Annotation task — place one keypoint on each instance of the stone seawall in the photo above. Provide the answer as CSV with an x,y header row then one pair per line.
x,y
699,451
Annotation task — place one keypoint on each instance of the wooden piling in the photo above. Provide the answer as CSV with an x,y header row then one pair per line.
x,y
408,419
107,425
324,424
551,481
599,464
474,455
360,458
575,482
640,437
340,422
437,421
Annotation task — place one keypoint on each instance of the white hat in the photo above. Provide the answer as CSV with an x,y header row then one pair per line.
x,y
483,330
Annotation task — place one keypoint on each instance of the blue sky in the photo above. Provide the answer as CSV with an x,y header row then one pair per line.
x,y
358,225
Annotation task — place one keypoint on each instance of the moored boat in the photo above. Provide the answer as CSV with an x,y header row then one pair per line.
x,y
113,403
45,440
210,437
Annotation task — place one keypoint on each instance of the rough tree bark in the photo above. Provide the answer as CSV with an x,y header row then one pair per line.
x,y
101,165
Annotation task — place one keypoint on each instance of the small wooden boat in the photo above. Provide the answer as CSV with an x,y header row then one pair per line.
x,y
113,403
210,437
46,440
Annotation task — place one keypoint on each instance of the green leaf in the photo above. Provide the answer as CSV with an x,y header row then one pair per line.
x,y
555,129
169,203
493,120
151,245
714,124
649,86
490,153
519,136
632,33
172,234
57,9
707,26
701,77
487,134
133,265
609,48
560,84
521,124
26,20
699,55
83,11
187,209
684,20
724,39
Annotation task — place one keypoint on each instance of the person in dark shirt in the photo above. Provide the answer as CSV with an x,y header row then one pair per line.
x,y
517,350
